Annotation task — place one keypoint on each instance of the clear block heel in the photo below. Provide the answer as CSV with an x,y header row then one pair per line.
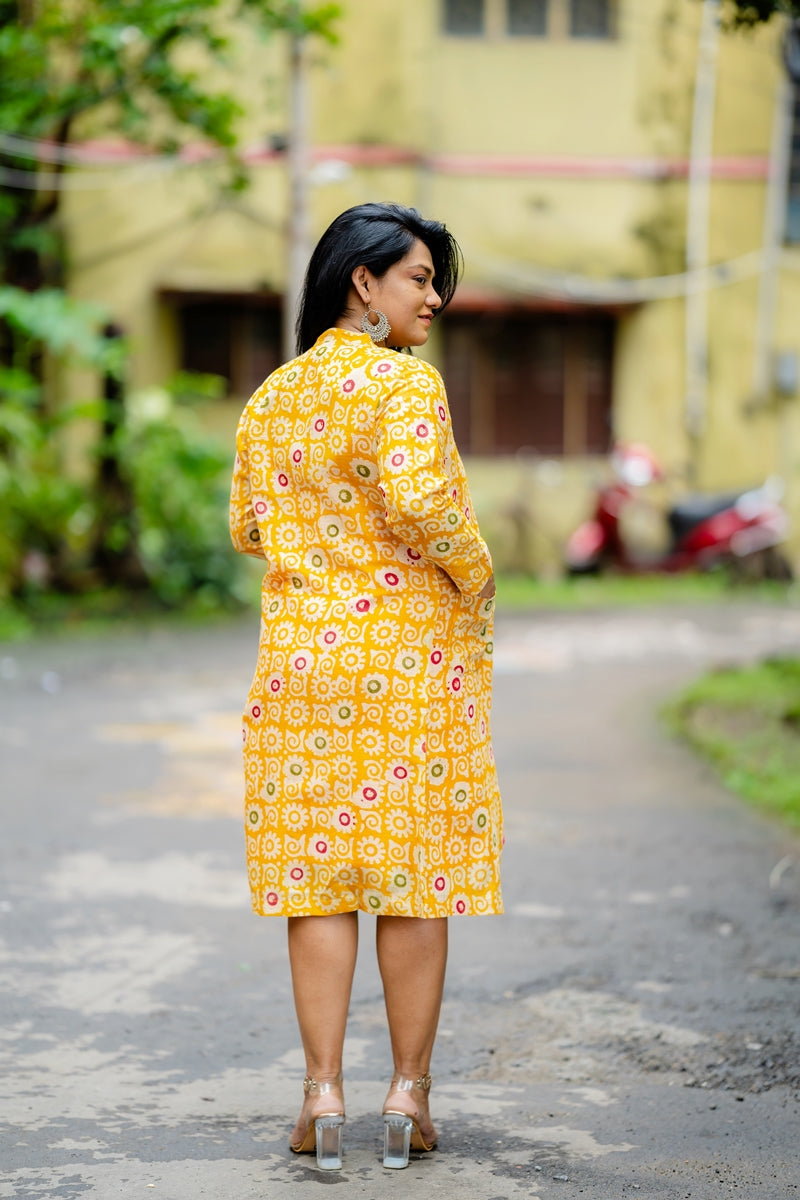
x,y
329,1142
406,1121
321,1131
396,1140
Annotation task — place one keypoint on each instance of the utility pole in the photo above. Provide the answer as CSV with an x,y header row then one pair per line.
x,y
772,242
297,232
697,231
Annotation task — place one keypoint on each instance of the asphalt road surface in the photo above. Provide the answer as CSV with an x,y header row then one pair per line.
x,y
630,1028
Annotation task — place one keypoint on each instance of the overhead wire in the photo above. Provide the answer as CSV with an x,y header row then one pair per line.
x,y
529,278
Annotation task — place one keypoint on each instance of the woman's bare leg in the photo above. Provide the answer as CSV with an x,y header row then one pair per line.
x,y
412,957
322,954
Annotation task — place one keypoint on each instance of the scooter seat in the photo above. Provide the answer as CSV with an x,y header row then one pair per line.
x,y
693,510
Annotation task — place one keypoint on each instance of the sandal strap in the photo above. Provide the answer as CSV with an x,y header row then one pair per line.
x,y
323,1088
401,1084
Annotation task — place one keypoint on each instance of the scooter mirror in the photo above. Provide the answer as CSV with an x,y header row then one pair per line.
x,y
636,471
774,488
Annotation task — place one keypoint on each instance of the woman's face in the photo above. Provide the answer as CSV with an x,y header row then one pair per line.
x,y
405,293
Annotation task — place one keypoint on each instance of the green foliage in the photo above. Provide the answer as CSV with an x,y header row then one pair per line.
x,y
757,12
746,721
154,514
525,592
66,327
45,514
137,69
179,480
173,525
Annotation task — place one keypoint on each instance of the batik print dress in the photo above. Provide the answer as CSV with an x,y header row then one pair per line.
x,y
369,774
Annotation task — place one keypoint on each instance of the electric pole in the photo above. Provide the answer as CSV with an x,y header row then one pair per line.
x,y
697,231
297,234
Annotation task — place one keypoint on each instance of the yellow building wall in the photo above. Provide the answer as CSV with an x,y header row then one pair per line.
x,y
395,80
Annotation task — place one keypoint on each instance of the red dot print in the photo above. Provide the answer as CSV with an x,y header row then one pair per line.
x,y
283,480
413,554
442,413
296,873
460,906
348,385
275,685
345,819
362,605
319,425
400,773
369,793
272,899
439,883
260,507
398,460
297,456
436,657
458,667
422,430
300,662
384,366
256,711
329,638
456,685
391,578
322,847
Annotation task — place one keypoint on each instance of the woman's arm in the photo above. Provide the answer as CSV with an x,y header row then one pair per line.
x,y
243,524
423,508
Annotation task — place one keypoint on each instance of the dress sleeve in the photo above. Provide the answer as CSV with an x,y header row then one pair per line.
x,y
243,524
419,481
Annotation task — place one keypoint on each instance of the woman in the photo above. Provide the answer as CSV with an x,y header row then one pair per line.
x,y
370,782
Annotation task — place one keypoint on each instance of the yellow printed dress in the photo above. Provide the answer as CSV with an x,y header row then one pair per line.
x,y
369,775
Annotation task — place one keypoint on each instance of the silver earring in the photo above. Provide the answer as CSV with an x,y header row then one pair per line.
x,y
379,331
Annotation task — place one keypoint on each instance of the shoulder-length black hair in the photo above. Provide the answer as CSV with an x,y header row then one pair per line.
x,y
375,236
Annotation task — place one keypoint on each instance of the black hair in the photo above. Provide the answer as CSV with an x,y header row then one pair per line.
x,y
375,236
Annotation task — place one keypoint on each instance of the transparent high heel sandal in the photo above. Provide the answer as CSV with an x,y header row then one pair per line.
x,y
324,1132
402,1130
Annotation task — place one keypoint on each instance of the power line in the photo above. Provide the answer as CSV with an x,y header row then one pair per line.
x,y
530,279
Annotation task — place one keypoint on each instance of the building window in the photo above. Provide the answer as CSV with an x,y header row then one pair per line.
x,y
529,18
526,18
793,206
236,336
463,17
529,382
590,18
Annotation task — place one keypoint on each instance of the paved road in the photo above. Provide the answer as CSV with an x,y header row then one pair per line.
x,y
629,1029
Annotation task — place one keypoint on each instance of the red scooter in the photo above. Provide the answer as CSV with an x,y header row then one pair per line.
x,y
741,529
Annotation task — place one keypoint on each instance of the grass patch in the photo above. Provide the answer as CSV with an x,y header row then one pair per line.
x,y
520,592
102,610
746,721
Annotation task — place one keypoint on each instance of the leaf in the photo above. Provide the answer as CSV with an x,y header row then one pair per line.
x,y
65,326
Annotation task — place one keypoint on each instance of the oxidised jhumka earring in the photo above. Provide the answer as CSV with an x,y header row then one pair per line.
x,y
377,331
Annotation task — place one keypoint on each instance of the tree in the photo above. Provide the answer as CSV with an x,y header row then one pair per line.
x,y
68,71
109,65
757,12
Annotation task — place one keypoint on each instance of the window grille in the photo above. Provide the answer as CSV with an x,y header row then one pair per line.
x,y
464,17
793,205
590,18
529,382
527,18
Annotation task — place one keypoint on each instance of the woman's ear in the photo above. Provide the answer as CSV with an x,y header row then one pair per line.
x,y
360,279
